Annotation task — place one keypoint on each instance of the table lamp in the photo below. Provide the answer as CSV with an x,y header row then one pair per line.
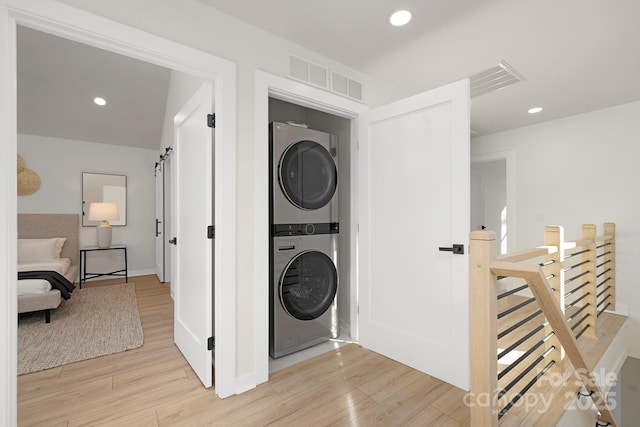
x,y
103,212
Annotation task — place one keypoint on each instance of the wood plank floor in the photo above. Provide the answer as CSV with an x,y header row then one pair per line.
x,y
154,386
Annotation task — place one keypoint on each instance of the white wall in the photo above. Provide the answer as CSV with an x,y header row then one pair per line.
x,y
181,88
581,169
60,163
194,24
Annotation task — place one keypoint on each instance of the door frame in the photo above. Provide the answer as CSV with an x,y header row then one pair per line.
x,y
75,24
510,160
269,85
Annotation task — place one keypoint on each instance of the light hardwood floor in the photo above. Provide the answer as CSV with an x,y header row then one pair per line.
x,y
154,386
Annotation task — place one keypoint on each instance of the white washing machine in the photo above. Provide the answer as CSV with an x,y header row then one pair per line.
x,y
304,176
303,307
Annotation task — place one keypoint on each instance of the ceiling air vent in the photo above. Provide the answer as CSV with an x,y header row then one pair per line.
x,y
502,75
301,69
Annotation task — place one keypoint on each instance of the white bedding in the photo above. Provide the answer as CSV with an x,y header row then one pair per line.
x,y
33,286
60,265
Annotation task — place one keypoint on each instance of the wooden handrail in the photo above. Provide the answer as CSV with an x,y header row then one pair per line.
x,y
528,254
605,237
581,242
541,290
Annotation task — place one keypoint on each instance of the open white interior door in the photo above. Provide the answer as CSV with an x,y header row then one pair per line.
x,y
192,278
414,200
160,234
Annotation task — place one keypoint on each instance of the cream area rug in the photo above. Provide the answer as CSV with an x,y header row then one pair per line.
x,y
93,322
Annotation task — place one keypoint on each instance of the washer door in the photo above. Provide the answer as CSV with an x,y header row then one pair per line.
x,y
308,175
308,285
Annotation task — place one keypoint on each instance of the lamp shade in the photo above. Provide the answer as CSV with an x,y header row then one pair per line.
x,y
103,212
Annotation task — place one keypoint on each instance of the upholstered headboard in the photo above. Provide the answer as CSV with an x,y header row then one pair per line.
x,y
44,226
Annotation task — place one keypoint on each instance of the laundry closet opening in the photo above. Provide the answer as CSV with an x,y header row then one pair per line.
x,y
295,341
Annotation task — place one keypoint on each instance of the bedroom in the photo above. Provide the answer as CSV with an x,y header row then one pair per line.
x,y
62,134
57,77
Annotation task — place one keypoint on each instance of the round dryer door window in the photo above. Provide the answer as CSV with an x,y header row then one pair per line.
x,y
308,175
308,285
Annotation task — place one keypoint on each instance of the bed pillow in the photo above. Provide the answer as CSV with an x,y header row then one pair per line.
x,y
39,250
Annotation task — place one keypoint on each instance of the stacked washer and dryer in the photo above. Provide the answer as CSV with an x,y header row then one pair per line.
x,y
304,238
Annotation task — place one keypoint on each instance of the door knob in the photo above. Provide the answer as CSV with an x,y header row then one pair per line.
x,y
174,241
456,249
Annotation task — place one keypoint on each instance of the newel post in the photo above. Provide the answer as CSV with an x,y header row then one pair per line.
x,y
483,329
589,233
554,236
610,258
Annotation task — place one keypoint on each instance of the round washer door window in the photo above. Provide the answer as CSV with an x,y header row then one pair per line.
x,y
308,175
308,285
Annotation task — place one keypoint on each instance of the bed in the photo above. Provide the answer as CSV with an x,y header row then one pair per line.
x,y
49,243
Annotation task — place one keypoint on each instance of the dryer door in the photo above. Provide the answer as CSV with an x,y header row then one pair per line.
x,y
308,175
308,285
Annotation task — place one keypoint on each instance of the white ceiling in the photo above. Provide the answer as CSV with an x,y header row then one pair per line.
x,y
576,56
58,79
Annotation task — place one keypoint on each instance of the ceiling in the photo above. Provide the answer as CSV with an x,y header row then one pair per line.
x,y
58,79
576,56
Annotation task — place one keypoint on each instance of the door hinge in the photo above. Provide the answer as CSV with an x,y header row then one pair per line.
x,y
211,120
211,343
211,232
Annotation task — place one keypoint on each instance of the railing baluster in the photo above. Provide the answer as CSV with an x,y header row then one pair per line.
x,y
554,236
610,230
589,233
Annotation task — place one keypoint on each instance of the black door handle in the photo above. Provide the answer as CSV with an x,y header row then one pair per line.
x,y
158,222
174,241
456,249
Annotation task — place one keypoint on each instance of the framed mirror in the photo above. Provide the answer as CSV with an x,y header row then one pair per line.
x,y
104,188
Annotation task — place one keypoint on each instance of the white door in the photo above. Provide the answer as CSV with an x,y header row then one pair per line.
x,y
414,200
160,234
168,211
192,172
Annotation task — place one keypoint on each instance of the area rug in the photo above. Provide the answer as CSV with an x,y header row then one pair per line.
x,y
93,322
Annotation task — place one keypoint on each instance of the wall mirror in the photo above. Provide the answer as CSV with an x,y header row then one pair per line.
x,y
104,188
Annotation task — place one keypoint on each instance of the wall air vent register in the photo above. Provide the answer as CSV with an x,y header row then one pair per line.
x,y
324,78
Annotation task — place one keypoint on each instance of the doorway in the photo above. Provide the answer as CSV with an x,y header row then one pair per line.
x,y
326,107
289,112
493,197
99,32
489,199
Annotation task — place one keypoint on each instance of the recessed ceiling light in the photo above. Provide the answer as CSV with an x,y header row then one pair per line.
x,y
534,110
400,18
99,101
